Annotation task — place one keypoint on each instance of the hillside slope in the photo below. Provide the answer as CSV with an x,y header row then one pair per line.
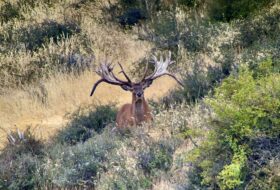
x,y
220,131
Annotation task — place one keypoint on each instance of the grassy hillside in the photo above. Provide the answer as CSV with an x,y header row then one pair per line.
x,y
221,131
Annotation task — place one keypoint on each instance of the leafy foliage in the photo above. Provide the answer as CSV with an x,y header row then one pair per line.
x,y
241,150
247,107
260,30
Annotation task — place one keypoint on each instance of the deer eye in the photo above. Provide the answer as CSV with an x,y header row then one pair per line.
x,y
126,87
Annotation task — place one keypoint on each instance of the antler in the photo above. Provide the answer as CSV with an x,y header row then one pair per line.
x,y
105,71
161,69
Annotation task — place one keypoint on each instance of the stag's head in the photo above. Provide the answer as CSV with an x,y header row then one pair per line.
x,y
105,71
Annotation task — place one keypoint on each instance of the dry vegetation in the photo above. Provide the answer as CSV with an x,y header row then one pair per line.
x,y
221,131
44,103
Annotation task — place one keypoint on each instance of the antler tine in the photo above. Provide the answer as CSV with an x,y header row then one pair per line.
x,y
105,71
95,85
145,72
122,71
171,75
161,68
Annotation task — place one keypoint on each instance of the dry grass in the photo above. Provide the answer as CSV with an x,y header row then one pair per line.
x,y
44,107
44,104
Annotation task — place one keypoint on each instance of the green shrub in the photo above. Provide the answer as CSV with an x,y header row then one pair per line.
x,y
231,175
197,37
264,165
247,107
84,125
8,12
80,165
14,10
34,37
20,173
22,143
20,161
125,180
260,30
197,84
188,3
227,10
157,157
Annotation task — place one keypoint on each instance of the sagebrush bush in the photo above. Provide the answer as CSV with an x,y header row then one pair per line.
x,y
20,173
85,124
82,164
35,36
157,157
22,143
124,179
20,161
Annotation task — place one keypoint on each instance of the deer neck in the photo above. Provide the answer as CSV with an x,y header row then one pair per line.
x,y
138,108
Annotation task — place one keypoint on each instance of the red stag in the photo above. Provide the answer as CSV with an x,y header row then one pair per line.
x,y
138,111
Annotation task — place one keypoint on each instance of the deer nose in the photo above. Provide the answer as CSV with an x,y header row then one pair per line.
x,y
139,94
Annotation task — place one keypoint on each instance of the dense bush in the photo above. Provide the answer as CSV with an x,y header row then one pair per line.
x,y
190,3
125,179
263,164
8,12
20,173
197,36
19,161
84,125
226,10
197,84
22,143
131,17
11,10
260,30
247,108
80,165
35,36
157,157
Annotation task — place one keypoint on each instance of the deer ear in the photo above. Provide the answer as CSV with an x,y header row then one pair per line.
x,y
126,87
147,83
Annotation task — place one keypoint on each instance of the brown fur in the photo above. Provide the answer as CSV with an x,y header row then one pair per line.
x,y
134,114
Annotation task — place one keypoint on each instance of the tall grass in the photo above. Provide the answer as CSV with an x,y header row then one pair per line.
x,y
49,50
